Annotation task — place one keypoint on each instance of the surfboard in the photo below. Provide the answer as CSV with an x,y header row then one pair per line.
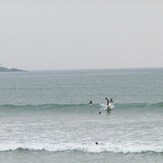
x,y
110,107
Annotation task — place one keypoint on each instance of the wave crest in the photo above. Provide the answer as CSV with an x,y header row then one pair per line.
x,y
140,105
68,107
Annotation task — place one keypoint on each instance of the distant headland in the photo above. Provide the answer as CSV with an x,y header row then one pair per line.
x,y
3,69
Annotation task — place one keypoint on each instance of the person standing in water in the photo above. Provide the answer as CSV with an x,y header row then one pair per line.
x,y
111,100
107,100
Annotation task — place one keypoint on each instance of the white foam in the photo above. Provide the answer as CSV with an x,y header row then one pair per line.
x,y
88,148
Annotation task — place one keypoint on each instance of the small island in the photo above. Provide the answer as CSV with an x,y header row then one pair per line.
x,y
3,69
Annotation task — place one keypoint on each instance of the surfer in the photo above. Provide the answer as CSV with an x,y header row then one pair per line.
x,y
90,103
107,101
111,100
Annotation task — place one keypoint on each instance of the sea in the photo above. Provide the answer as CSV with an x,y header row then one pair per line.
x,y
45,116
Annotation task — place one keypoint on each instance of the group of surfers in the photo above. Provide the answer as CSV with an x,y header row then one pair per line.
x,y
107,100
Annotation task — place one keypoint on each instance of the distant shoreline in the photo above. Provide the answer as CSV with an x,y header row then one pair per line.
x,y
3,69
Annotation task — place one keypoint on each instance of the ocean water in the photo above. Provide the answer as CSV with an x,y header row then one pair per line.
x,y
45,116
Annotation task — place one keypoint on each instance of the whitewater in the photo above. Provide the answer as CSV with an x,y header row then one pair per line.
x,y
46,116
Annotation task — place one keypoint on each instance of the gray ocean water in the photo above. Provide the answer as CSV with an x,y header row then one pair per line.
x,y
45,116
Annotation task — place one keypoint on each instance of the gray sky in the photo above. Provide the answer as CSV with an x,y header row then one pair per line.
x,y
81,34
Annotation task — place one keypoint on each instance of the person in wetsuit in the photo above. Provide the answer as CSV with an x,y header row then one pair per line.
x,y
107,100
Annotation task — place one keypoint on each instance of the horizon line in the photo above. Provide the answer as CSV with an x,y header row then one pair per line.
x,y
96,69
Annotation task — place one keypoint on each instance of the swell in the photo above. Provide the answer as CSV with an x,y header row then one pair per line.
x,y
141,105
52,107
68,107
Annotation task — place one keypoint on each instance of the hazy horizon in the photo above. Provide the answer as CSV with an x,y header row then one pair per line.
x,y
56,35
76,69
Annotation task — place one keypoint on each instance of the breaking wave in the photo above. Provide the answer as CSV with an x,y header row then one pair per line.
x,y
90,148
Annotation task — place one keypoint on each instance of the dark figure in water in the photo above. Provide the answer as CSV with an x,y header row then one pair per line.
x,y
90,103
111,100
107,101
96,143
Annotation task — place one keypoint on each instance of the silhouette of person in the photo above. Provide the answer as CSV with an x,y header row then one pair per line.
x,y
107,101
90,102
111,100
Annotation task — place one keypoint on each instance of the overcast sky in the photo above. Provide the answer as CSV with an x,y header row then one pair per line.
x,y
81,34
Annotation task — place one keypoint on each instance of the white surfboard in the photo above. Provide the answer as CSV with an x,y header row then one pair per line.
x,y
110,107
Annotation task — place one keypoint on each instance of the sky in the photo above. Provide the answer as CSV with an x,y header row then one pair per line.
x,y
81,34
